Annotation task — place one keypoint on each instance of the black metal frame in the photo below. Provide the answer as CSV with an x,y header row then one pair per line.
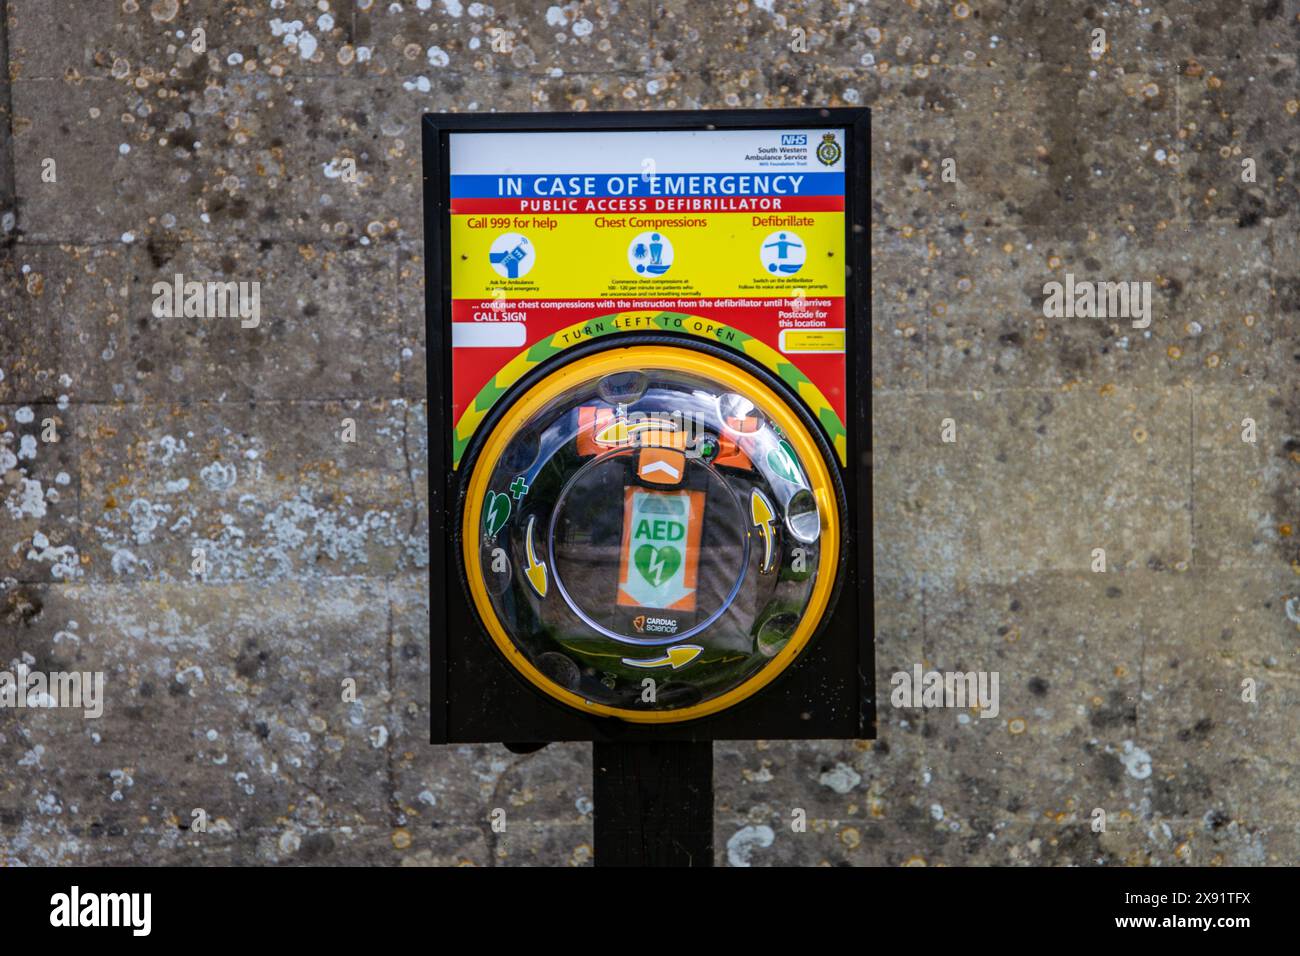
x,y
463,661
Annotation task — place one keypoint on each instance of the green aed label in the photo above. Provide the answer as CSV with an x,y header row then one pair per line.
x,y
660,530
660,555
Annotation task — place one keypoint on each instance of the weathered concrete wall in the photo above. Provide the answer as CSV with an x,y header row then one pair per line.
x,y
1119,690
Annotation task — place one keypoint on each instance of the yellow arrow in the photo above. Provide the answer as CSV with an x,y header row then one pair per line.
x,y
620,431
536,571
678,656
760,511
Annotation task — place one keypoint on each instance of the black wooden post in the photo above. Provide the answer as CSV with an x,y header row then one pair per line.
x,y
653,803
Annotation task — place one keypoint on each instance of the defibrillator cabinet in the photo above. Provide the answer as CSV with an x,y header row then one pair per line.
x,y
649,423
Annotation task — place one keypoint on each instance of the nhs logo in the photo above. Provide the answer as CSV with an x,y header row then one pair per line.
x,y
794,139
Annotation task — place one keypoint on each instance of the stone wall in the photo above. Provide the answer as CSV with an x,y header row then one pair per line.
x,y
1117,161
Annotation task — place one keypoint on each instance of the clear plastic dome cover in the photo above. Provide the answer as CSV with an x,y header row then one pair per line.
x,y
649,540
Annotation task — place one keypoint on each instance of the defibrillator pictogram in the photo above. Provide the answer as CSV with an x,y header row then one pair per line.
x,y
661,543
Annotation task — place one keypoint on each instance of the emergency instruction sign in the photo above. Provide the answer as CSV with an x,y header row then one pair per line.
x,y
736,236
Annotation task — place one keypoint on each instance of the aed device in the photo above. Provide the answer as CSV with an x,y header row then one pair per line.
x,y
649,449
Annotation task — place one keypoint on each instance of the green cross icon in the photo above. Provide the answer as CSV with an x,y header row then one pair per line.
x,y
518,488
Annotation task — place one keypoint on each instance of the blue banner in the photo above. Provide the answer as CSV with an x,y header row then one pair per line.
x,y
583,185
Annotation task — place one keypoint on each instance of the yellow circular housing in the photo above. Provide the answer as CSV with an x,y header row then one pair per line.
x,y
651,533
